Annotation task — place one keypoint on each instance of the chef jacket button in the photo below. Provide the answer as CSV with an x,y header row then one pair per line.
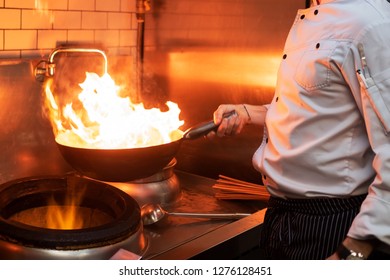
x,y
318,46
277,99
284,56
316,12
302,16
266,140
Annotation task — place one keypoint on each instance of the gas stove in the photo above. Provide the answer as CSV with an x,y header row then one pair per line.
x,y
171,238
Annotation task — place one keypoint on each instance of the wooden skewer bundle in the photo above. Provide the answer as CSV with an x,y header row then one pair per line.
x,y
231,188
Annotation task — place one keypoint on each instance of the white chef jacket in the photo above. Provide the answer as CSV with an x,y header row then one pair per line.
x,y
327,130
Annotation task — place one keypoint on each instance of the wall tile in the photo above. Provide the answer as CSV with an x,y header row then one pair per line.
x,y
81,36
108,38
104,5
51,4
123,51
1,40
10,19
30,4
67,20
128,5
119,20
134,21
20,39
85,5
94,20
127,38
28,32
51,38
33,19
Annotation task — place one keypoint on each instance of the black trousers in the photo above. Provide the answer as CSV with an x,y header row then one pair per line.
x,y
307,229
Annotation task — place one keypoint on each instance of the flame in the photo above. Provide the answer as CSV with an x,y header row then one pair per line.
x,y
63,217
108,121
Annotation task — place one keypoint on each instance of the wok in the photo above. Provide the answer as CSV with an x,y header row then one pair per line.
x,y
123,165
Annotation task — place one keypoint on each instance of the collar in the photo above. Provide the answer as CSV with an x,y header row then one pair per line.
x,y
319,2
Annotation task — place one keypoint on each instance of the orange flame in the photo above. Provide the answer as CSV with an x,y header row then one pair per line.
x,y
63,217
108,121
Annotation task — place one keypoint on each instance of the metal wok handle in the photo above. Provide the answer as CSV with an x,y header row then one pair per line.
x,y
204,128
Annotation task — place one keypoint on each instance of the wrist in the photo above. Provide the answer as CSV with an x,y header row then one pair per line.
x,y
354,247
345,253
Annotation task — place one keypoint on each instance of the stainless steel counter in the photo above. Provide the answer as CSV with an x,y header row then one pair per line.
x,y
190,238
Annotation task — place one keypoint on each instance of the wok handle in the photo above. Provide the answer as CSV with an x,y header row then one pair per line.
x,y
204,128
223,216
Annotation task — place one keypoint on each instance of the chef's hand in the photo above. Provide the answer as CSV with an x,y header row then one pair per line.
x,y
233,124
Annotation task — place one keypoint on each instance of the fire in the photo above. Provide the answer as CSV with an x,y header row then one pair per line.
x,y
107,120
63,217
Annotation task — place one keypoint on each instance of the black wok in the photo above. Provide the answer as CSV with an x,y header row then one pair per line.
x,y
123,165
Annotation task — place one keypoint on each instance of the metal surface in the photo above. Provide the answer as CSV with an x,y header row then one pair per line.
x,y
154,213
26,138
136,243
169,238
47,68
110,220
235,240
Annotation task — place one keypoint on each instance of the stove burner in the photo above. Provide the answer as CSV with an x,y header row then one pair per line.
x,y
119,214
162,187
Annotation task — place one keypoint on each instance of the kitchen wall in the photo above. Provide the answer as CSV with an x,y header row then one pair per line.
x,y
32,28
29,31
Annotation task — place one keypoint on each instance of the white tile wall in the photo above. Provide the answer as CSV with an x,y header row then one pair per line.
x,y
1,40
33,19
109,38
128,5
94,20
119,20
104,5
81,36
20,39
28,4
10,18
26,30
126,37
67,20
49,38
52,4
85,5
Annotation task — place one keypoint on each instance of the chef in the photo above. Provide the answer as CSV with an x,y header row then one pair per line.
x,y
325,154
